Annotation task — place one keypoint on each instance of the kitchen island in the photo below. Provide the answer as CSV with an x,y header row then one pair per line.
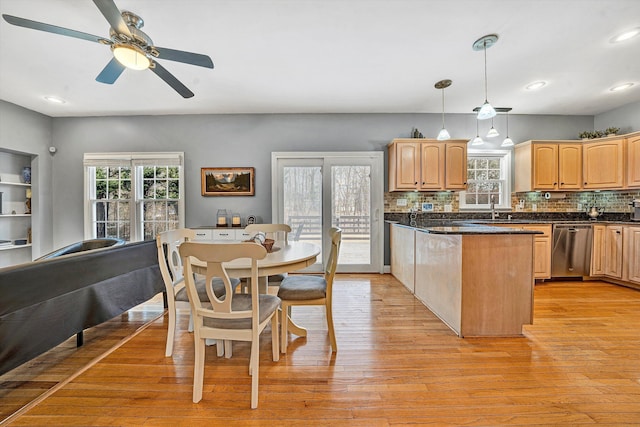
x,y
477,279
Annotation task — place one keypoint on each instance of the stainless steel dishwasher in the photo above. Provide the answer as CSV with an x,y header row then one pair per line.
x,y
571,255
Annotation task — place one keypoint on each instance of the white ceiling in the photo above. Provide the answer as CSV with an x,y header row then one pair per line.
x,y
331,56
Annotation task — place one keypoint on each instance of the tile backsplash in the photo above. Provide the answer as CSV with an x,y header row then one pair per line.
x,y
611,201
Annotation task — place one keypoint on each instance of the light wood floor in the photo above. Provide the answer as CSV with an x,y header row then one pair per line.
x,y
397,364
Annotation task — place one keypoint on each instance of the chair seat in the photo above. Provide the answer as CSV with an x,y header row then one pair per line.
x,y
218,289
297,288
241,302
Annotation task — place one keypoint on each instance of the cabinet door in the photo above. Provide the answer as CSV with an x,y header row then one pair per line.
x,y
456,166
407,165
223,234
432,166
603,164
203,234
598,250
633,162
541,250
569,166
632,253
545,167
613,251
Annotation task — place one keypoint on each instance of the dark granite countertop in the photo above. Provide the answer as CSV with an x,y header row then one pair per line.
x,y
478,229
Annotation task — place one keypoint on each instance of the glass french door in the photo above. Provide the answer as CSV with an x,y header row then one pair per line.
x,y
316,191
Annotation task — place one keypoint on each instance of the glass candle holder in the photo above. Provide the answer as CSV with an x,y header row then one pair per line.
x,y
221,216
235,220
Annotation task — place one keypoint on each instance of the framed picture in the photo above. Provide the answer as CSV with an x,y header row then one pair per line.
x,y
227,181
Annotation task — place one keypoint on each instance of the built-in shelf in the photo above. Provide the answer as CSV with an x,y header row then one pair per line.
x,y
10,247
17,184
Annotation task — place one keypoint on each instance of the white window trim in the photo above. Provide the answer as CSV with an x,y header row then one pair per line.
x,y
132,160
506,172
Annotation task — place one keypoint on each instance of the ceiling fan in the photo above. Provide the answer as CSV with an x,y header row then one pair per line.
x,y
130,46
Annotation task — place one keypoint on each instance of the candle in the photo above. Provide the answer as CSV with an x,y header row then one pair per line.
x,y
222,220
235,220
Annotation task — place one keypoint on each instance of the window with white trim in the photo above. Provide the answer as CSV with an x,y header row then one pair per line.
x,y
488,175
133,196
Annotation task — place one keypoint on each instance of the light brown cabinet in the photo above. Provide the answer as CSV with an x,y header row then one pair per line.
x,y
602,164
633,161
613,251
427,165
631,255
598,250
548,166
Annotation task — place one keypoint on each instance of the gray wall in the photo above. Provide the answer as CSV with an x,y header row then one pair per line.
x,y
25,131
627,118
228,140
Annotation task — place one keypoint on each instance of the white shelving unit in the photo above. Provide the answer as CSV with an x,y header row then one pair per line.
x,y
14,221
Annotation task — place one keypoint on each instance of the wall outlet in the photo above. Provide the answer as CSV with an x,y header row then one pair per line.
x,y
521,203
534,207
448,208
401,202
579,207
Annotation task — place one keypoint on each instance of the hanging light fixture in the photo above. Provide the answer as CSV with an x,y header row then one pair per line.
x,y
492,132
484,43
507,141
477,140
444,134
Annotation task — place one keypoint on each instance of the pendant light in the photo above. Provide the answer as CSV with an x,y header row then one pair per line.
x,y
477,140
507,141
484,43
444,134
492,132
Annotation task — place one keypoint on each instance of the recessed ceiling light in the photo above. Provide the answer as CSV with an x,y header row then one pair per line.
x,y
55,99
535,85
626,35
621,87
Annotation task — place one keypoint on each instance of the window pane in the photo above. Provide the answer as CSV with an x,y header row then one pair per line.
x,y
161,172
174,189
494,164
494,174
161,189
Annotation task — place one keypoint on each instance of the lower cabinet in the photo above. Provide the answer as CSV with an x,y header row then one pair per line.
x,y
632,254
598,250
402,243
237,234
613,251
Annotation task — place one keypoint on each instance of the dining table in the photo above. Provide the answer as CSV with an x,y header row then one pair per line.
x,y
285,257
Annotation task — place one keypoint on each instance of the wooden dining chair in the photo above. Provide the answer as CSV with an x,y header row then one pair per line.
x,y
311,290
233,317
275,232
171,270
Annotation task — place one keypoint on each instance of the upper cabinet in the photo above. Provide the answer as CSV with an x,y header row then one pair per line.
x,y
548,166
603,164
633,161
427,165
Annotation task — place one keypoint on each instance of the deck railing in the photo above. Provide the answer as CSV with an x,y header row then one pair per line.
x,y
309,227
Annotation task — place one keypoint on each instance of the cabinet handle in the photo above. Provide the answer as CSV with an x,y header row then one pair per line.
x,y
562,183
555,183
617,231
415,183
585,183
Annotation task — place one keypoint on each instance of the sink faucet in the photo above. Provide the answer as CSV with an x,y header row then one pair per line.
x,y
494,214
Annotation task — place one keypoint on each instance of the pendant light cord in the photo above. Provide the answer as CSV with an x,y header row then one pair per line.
x,y
486,82
442,108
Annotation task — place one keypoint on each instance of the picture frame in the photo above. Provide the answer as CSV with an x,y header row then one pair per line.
x,y
227,181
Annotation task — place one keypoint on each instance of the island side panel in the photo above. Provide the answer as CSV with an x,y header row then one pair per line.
x,y
403,255
438,275
497,284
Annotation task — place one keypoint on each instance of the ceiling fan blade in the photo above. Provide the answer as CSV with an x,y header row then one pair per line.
x,y
111,72
186,57
111,12
35,25
171,81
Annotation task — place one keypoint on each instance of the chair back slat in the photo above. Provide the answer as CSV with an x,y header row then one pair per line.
x,y
332,261
214,255
167,244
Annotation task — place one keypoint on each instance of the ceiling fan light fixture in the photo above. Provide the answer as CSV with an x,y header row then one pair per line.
x,y
131,56
492,133
508,142
478,139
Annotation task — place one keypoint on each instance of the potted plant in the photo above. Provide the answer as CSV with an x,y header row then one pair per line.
x,y
584,135
611,131
598,134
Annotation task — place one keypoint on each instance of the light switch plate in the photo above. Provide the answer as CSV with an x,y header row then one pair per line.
x,y
448,208
401,202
